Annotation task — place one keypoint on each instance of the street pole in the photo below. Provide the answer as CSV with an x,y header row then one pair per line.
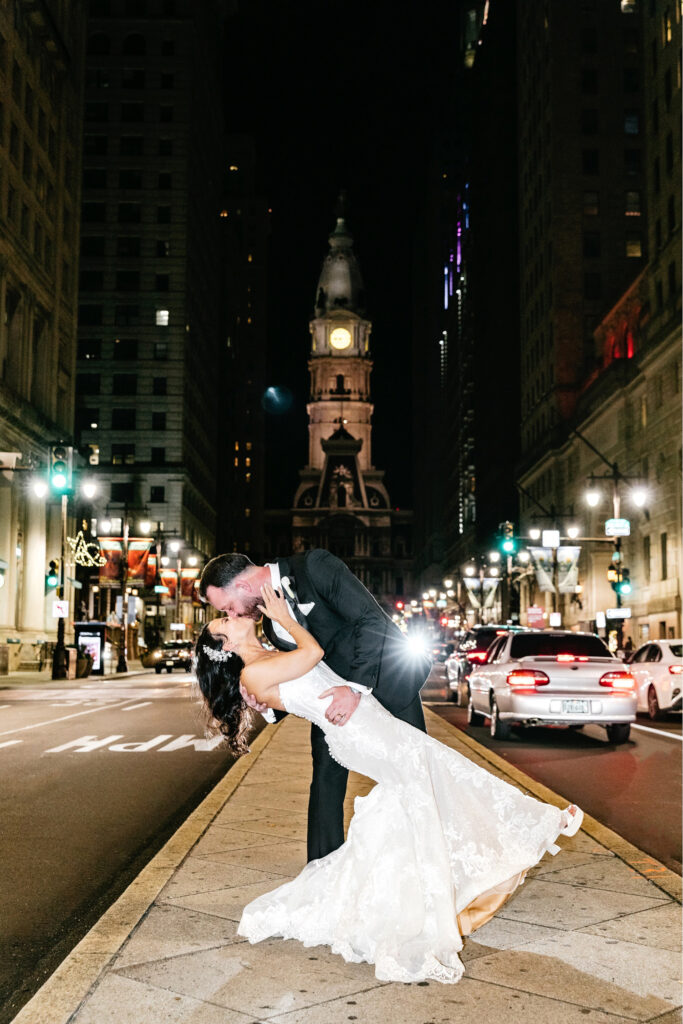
x,y
122,665
179,567
59,664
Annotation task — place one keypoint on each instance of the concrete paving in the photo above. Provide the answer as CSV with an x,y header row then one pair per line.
x,y
587,937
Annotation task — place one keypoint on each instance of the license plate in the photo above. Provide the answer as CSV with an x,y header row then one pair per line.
x,y
573,707
169,664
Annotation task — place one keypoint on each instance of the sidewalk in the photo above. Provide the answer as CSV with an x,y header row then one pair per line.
x,y
19,678
587,937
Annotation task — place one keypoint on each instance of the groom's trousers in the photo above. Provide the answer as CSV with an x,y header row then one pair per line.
x,y
328,787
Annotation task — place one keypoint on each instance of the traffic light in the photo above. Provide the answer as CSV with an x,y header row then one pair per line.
x,y
400,605
60,467
624,585
507,543
52,575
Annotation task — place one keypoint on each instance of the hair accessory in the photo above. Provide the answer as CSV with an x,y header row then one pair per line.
x,y
216,655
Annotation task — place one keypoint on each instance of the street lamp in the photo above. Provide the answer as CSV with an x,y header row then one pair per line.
x,y
534,534
593,497
573,532
639,497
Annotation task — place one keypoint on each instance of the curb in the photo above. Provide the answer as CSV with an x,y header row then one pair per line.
x,y
64,991
639,861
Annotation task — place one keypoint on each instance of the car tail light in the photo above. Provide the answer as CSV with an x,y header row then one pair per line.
x,y
572,657
526,679
676,670
477,655
618,680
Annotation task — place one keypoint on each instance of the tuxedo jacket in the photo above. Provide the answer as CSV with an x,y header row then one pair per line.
x,y
360,641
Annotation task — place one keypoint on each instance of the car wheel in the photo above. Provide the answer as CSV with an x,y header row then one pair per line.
x,y
158,671
453,694
500,730
473,717
170,671
618,733
653,708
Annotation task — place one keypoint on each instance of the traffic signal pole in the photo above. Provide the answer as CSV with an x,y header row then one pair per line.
x,y
59,662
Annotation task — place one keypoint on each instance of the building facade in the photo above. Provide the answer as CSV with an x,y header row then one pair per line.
x,y
151,337
341,503
41,73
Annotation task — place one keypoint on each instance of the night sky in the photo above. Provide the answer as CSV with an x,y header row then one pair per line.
x,y
349,100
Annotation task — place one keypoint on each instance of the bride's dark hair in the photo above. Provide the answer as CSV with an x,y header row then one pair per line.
x,y
219,682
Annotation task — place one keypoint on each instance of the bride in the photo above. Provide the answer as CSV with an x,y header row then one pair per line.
x,y
432,852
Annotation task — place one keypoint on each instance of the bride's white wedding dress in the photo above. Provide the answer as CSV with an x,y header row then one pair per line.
x,y
432,852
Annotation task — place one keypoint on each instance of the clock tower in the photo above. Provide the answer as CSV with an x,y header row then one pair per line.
x,y
341,503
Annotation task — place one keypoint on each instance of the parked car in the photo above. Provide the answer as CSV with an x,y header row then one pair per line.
x,y
657,667
552,678
471,651
171,654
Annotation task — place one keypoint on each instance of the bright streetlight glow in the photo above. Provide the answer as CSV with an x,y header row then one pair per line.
x,y
469,570
573,531
494,570
593,497
40,488
639,496
535,533
425,595
192,560
417,643
524,556
414,604
432,593
175,546
450,593
448,583
105,526
90,489
145,526
164,559
494,556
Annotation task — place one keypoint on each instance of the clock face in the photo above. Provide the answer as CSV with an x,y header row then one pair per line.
x,y
340,338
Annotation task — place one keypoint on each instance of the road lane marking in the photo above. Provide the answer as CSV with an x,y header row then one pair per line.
x,y
5,706
77,714
10,743
659,732
134,707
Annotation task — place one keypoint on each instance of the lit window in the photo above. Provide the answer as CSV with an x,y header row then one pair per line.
x,y
224,213
634,248
248,446
247,477
247,461
247,513
629,6
643,411
236,462
250,258
631,122
233,167
632,204
591,204
237,446
162,318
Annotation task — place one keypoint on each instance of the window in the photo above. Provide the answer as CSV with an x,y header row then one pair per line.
x,y
158,421
89,316
158,456
24,220
91,280
669,153
123,492
94,177
664,556
87,419
632,204
130,179
122,454
159,386
631,122
592,286
133,78
671,215
632,161
99,44
163,214
646,559
591,244
590,161
11,203
673,289
165,147
127,281
92,245
631,80
659,293
163,248
164,180
591,204
162,282
89,348
165,113
589,122
96,112
129,213
166,81
589,81
97,78
95,145
161,318
125,384
589,39
125,316
656,179
157,494
134,45
160,350
123,419
127,245
131,145
132,112
125,348
168,48
88,383
643,410
655,116
93,213
634,248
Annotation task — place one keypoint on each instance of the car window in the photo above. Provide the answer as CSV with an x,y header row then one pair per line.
x,y
549,645
654,654
641,653
676,650
499,654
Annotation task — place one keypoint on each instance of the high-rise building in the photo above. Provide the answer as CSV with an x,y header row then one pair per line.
x,y
151,339
342,503
41,67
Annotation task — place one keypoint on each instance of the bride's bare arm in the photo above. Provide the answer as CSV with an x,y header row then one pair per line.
x,y
262,677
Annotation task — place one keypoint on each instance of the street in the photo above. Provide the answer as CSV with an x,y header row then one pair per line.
x,y
96,777
634,789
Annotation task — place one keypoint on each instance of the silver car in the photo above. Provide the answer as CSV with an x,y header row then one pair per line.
x,y
552,678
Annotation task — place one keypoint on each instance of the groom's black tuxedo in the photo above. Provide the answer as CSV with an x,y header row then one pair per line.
x,y
361,644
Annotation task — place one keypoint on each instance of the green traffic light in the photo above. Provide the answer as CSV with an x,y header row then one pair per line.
x,y
508,546
52,581
625,588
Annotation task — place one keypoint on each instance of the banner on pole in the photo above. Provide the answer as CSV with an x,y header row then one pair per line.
x,y
543,564
568,569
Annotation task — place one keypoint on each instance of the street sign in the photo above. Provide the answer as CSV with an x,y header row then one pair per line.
x,y
550,538
617,528
534,617
600,620
555,619
60,609
177,626
618,613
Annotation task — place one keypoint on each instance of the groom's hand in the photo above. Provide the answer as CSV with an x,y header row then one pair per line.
x,y
251,701
343,704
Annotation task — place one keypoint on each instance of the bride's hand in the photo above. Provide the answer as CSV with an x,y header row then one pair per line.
x,y
275,606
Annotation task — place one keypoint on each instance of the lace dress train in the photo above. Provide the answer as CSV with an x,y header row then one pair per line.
x,y
432,851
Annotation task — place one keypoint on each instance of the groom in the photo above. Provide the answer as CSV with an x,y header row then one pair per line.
x,y
361,644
